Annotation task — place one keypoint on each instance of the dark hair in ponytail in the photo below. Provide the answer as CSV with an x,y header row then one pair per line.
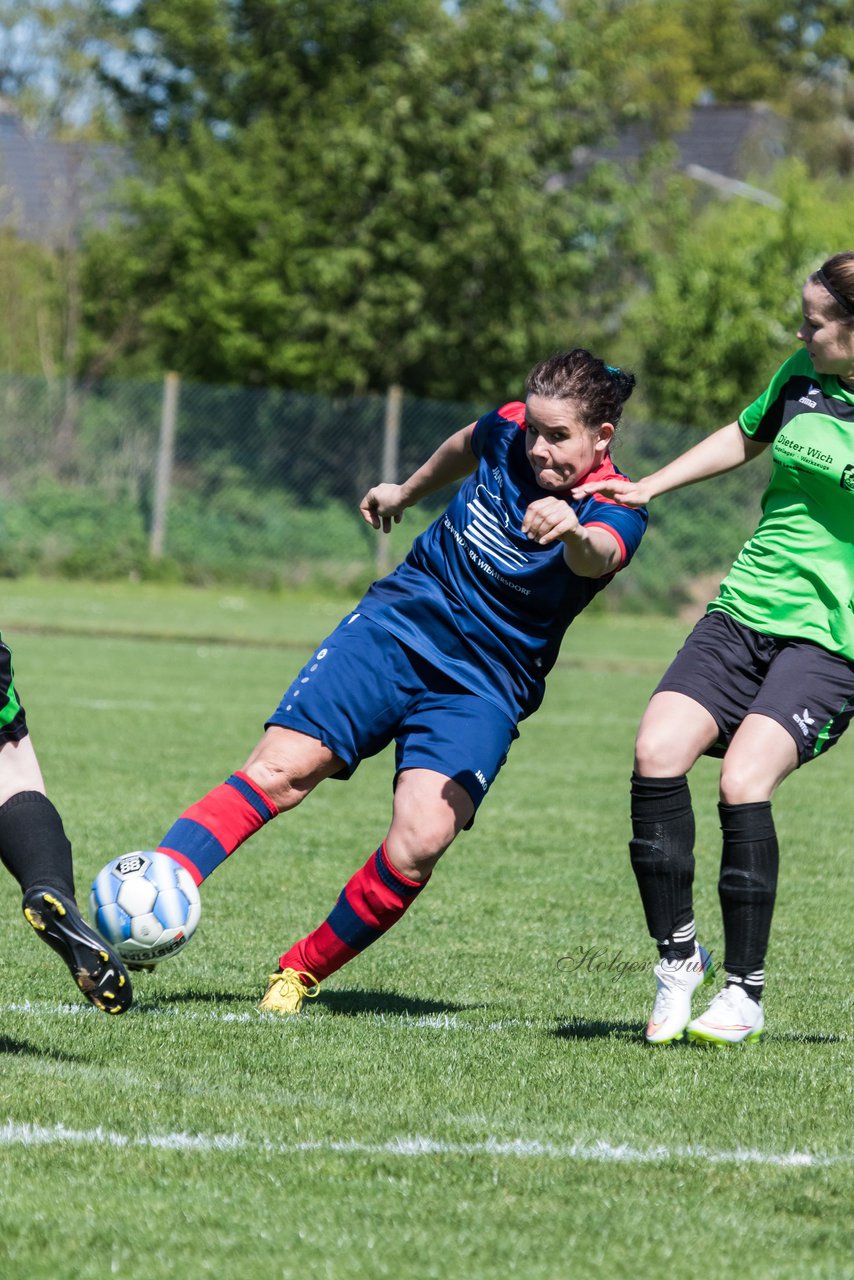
x,y
599,390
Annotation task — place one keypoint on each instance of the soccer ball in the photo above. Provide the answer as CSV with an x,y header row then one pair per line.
x,y
146,905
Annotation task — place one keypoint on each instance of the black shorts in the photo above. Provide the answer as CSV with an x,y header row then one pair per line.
x,y
13,721
734,671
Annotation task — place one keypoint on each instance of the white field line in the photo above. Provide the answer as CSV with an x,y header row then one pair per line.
x,y
394,1021
46,1009
435,1022
14,1134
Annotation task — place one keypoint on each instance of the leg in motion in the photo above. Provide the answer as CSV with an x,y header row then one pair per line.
x,y
429,811
35,850
282,770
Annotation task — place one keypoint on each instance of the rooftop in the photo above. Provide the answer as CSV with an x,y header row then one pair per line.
x,y
49,190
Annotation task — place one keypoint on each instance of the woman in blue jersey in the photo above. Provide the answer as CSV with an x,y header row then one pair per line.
x,y
444,656
767,676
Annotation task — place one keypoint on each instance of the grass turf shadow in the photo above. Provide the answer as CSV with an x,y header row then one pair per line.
x,y
353,1003
21,1047
578,1030
144,999
349,1004
633,1031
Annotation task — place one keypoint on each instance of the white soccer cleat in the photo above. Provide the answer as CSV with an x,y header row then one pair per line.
x,y
733,1017
676,982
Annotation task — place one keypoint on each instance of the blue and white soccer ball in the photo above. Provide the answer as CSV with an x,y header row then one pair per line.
x,y
146,905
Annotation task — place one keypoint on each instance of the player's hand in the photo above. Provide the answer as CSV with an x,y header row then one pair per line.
x,y
382,504
549,519
629,493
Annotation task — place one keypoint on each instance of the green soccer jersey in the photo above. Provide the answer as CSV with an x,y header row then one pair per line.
x,y
795,576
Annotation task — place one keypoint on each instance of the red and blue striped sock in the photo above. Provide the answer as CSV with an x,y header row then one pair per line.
x,y
369,904
208,832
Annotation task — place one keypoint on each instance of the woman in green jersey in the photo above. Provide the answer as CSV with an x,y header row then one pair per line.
x,y
766,678
35,850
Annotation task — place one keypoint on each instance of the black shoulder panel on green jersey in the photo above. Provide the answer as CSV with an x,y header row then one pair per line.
x,y
800,396
772,419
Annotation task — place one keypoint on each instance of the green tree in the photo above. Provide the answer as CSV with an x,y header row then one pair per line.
x,y
642,53
49,51
728,58
32,281
821,113
343,194
803,37
751,49
724,301
798,57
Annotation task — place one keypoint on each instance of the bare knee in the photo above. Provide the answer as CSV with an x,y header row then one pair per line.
x,y
745,782
673,733
19,769
429,810
761,754
421,832
414,853
287,766
661,753
278,782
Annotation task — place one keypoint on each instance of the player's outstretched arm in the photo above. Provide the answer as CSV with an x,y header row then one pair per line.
x,y
384,503
722,451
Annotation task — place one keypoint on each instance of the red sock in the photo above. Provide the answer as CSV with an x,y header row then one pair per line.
x,y
209,831
369,904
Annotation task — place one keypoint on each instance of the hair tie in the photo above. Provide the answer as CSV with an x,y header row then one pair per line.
x,y
613,369
845,303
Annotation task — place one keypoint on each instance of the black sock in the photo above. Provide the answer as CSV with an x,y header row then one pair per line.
x,y
662,853
747,888
33,843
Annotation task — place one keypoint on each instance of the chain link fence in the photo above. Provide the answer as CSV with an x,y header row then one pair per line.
x,y
211,483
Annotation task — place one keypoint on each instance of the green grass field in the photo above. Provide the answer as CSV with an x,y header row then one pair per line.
x,y
471,1097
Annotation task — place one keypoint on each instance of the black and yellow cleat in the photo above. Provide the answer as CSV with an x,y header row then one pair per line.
x,y
95,967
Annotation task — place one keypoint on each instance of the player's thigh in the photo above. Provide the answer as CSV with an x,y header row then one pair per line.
x,y
703,695
674,732
809,693
19,769
450,747
347,702
458,734
762,753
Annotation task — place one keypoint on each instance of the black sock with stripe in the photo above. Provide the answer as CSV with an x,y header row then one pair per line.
x,y
747,889
662,854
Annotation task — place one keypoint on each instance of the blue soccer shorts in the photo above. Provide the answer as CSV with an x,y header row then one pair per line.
x,y
363,689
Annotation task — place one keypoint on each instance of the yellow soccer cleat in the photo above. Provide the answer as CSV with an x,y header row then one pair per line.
x,y
286,991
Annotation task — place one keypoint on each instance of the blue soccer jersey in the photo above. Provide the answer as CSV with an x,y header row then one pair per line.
x,y
475,596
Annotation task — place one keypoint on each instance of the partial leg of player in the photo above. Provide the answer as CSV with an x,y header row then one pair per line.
x,y
94,966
